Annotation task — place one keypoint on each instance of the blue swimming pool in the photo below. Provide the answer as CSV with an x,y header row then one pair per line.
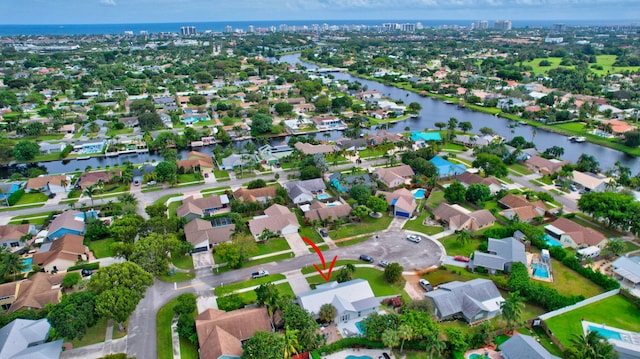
x,y
28,263
360,327
418,194
552,242
476,356
360,357
609,334
540,270
323,196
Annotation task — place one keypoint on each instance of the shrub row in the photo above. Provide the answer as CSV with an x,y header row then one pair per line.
x,y
15,197
90,266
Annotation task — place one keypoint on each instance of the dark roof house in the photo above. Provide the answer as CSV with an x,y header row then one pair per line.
x,y
475,300
502,253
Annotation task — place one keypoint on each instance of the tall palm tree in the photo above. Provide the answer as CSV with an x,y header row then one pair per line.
x,y
405,332
512,309
434,345
90,192
128,198
64,183
463,236
291,345
10,263
590,346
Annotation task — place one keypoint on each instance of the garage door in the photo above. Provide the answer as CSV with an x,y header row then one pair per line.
x,y
402,214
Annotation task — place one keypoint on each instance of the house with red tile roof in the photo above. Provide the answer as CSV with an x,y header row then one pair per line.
x,y
574,235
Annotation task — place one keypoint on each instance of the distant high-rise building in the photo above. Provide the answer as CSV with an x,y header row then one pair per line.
x,y
144,33
409,27
188,30
502,25
128,33
284,27
228,29
419,26
325,27
482,25
559,27
252,29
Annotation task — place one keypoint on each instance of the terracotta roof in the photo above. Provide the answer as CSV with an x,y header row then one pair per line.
x,y
197,205
40,182
320,211
199,230
276,218
542,163
251,195
579,234
91,178
9,289
310,149
10,231
221,333
37,291
67,247
469,178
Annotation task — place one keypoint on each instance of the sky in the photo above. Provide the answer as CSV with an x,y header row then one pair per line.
x,y
28,12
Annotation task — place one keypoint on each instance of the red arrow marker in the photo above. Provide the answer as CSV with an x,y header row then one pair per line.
x,y
327,277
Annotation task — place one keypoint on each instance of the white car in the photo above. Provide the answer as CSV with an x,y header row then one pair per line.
x,y
413,238
425,285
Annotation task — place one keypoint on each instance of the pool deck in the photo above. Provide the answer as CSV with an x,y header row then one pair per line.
x,y
535,258
492,353
373,353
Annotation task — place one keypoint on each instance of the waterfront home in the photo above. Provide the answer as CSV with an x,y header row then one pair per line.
x,y
446,168
202,207
329,123
305,191
574,235
401,202
382,136
500,256
221,334
348,144
47,148
203,235
61,254
311,149
455,217
590,181
277,219
543,165
235,161
273,154
198,162
394,176
92,178
472,301
353,299
48,184
25,338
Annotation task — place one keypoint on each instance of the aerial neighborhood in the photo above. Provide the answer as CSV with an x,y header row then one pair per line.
x,y
391,191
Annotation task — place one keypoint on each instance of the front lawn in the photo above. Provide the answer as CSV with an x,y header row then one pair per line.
x,y
340,262
375,278
29,198
250,297
310,233
520,169
368,225
177,277
454,247
164,343
615,311
102,248
165,198
435,199
94,335
189,177
272,245
173,208
416,225
230,288
183,262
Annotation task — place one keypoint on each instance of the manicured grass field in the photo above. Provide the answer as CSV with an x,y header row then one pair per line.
x,y
375,278
183,262
102,248
30,198
435,199
173,208
230,288
368,225
568,282
164,344
520,169
606,61
535,64
177,277
416,225
188,177
95,334
273,245
454,247
310,233
164,199
615,311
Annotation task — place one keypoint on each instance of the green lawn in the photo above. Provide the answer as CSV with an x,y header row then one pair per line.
x,y
217,189
340,262
310,233
375,278
164,317
173,208
368,225
188,177
454,147
568,282
183,262
250,297
435,199
177,277
371,152
606,61
454,247
74,193
230,288
615,311
164,199
520,169
352,241
94,335
273,245
102,248
30,198
535,64
416,225
188,350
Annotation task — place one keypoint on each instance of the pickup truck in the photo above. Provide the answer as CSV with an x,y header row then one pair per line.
x,y
259,274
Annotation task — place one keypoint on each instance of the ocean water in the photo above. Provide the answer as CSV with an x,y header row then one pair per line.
x,y
219,26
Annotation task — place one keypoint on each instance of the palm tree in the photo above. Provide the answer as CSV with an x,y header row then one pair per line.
x,y
127,176
291,345
10,263
90,191
128,198
434,345
405,332
390,338
64,183
590,346
512,309
463,236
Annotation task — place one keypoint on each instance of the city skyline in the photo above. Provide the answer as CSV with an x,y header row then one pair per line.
x,y
33,12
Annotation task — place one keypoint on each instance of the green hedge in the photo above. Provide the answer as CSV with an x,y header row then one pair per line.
x,y
15,197
90,266
536,292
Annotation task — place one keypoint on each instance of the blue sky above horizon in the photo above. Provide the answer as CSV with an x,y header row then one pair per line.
x,y
29,12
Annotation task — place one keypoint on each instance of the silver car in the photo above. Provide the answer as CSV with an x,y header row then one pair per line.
x,y
413,238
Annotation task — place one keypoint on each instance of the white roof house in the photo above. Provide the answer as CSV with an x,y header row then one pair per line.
x,y
627,271
352,299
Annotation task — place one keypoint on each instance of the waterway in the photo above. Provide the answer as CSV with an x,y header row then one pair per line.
x,y
432,111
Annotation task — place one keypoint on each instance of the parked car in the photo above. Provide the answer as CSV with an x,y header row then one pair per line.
x,y
461,259
324,232
86,272
413,238
383,263
425,285
366,258
259,274
573,188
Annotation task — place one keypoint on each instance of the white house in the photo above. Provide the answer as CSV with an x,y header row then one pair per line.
x,y
352,299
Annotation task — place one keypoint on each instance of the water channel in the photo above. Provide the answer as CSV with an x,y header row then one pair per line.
x,y
432,111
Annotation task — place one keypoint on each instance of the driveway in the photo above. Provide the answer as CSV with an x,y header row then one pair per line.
x,y
297,244
202,260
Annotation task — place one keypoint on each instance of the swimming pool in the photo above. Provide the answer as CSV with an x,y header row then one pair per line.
x,y
609,334
476,356
419,193
360,327
28,263
540,270
552,242
323,196
360,357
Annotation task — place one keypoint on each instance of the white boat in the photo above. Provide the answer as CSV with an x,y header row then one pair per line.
x,y
580,139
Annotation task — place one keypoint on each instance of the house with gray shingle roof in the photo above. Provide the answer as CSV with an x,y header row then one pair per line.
x,y
23,338
627,271
305,191
473,301
352,299
522,346
501,254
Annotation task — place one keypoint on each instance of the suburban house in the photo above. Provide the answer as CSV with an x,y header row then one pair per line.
x,y
129,121
92,178
473,140
627,271
62,253
473,301
394,176
573,235
446,168
401,202
310,149
48,184
468,178
458,218
501,254
11,234
590,181
348,144
329,123
221,334
320,211
34,292
382,136
276,219
262,195
235,160
273,154
305,191
522,346
24,338
202,207
543,165
69,222
203,235
352,299
197,161
345,183
519,206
